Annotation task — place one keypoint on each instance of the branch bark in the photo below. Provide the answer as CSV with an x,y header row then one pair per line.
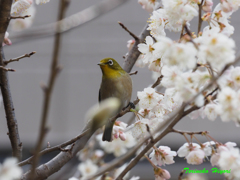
x,y
48,91
54,148
5,8
54,165
133,54
18,58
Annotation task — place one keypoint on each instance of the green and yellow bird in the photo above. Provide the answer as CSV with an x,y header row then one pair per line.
x,y
115,83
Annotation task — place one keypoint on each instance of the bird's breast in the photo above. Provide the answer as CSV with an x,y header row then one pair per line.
x,y
120,87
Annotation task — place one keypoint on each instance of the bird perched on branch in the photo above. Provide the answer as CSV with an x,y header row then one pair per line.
x,y
115,83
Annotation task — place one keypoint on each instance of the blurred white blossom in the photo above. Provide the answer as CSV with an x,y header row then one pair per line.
x,y
87,168
148,5
20,7
9,170
117,146
42,1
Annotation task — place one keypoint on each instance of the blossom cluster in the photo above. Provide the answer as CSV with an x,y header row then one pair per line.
x,y
225,156
9,170
188,65
23,8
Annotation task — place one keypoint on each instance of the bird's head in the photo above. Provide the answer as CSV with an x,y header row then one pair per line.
x,y
110,67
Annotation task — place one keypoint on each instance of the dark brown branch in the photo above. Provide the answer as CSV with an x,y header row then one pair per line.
x,y
126,29
159,79
168,128
19,17
55,148
48,92
5,9
133,54
190,34
148,130
20,57
55,164
190,133
133,73
200,16
7,69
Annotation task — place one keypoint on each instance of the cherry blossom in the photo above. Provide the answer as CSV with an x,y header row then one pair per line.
x,y
9,169
162,155
148,98
87,168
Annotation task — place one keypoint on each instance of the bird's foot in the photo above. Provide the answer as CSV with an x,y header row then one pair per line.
x,y
132,105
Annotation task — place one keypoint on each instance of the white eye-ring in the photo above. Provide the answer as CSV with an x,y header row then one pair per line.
x,y
110,62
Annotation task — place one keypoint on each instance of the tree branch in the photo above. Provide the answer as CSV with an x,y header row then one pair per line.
x,y
55,164
48,91
5,8
54,148
133,73
200,16
69,23
133,54
126,29
20,57
7,69
168,128
19,17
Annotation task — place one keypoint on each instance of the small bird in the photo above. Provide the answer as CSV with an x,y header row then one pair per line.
x,y
115,83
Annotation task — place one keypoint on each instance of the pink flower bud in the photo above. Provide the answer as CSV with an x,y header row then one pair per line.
x,y
207,6
6,40
122,136
166,174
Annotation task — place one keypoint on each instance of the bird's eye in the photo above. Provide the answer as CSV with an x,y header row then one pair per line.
x,y
110,62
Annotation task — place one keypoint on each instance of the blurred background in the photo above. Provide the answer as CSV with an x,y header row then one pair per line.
x,y
76,88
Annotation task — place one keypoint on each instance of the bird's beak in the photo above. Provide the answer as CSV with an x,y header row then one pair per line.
x,y
101,64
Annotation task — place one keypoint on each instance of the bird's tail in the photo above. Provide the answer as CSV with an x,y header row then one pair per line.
x,y
107,134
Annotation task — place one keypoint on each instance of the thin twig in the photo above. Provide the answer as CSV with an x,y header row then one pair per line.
x,y
55,164
7,69
190,133
20,57
133,54
181,35
48,92
12,124
19,17
133,73
74,21
190,34
126,29
159,79
54,148
200,16
148,130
